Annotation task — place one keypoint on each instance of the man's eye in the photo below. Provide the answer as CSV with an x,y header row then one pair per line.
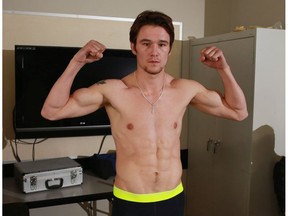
x,y
163,45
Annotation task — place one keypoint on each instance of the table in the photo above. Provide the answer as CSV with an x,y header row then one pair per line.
x,y
86,194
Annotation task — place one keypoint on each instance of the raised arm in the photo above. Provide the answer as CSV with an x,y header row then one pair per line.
x,y
232,104
60,104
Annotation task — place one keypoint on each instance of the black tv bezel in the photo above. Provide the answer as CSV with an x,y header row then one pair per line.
x,y
65,131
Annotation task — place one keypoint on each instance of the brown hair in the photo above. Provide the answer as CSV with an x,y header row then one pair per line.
x,y
155,18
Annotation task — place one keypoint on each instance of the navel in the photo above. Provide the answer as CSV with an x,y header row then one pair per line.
x,y
130,126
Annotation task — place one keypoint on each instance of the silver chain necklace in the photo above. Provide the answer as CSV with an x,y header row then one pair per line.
x,y
151,103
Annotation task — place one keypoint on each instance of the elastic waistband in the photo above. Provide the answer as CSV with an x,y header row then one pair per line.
x,y
147,198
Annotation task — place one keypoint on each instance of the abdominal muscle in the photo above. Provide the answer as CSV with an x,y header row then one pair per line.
x,y
147,166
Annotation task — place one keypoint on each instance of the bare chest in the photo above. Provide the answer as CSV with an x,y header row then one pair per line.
x,y
131,111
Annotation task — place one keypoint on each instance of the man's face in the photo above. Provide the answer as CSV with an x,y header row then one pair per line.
x,y
152,49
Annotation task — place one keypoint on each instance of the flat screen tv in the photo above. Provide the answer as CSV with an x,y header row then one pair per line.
x,y
36,70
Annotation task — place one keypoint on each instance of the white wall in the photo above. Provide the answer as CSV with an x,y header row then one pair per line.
x,y
190,12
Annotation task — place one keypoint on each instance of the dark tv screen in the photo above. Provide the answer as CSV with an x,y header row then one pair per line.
x,y
36,70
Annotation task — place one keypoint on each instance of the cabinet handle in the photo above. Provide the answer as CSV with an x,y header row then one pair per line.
x,y
209,143
216,145
212,143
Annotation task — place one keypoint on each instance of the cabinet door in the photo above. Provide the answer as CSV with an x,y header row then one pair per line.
x,y
219,149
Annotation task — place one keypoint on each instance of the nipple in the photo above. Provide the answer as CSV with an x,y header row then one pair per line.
x,y
130,126
175,125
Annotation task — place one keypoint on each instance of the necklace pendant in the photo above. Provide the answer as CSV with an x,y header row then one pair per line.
x,y
144,96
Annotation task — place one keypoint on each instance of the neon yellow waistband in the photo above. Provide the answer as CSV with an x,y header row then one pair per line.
x,y
147,198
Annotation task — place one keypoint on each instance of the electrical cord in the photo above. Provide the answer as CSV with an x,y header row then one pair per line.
x,y
22,142
34,143
15,150
102,142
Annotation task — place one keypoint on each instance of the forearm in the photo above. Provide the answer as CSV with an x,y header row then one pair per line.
x,y
233,94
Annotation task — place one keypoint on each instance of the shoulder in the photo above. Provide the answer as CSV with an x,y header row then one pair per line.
x,y
105,87
109,83
187,84
183,89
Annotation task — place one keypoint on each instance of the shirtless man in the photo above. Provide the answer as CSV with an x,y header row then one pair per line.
x,y
146,110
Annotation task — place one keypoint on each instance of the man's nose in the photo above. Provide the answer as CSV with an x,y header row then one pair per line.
x,y
154,49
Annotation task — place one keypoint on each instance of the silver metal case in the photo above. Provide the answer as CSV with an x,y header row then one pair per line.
x,y
47,174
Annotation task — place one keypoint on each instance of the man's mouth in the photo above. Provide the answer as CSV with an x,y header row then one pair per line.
x,y
154,61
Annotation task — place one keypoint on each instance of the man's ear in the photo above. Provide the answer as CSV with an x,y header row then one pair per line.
x,y
133,48
170,50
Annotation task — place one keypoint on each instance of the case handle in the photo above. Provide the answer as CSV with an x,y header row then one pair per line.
x,y
55,186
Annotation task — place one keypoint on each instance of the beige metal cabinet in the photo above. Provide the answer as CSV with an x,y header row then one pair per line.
x,y
220,165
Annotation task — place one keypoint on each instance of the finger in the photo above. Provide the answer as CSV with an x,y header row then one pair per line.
x,y
209,57
100,55
96,51
98,46
95,55
212,53
207,49
94,47
202,58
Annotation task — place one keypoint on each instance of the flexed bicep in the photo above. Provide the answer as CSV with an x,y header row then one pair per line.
x,y
82,102
208,101
214,103
87,100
